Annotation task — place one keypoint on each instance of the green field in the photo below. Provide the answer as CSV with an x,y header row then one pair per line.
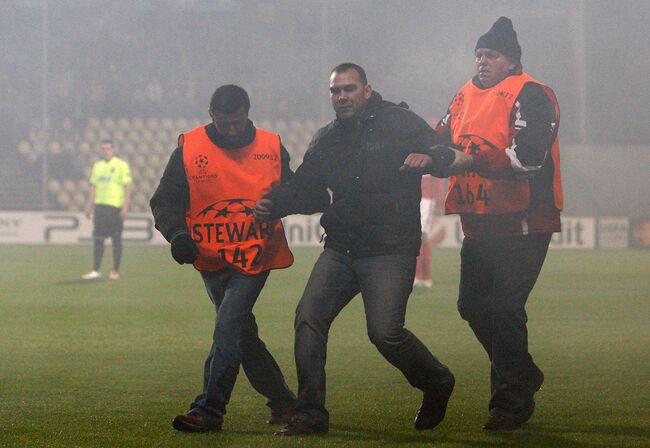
x,y
109,363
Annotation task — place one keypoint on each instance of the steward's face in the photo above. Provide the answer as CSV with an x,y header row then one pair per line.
x,y
231,126
348,94
492,67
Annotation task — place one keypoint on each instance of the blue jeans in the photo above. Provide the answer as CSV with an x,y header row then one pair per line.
x,y
385,283
236,341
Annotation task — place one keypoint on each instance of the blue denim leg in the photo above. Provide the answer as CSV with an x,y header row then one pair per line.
x,y
235,338
263,372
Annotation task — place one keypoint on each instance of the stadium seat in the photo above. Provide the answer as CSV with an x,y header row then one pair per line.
x,y
84,147
108,124
118,136
181,125
93,123
63,199
137,124
152,123
24,149
123,124
167,124
78,201
53,186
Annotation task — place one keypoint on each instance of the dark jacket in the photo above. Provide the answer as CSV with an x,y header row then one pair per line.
x,y
172,197
375,208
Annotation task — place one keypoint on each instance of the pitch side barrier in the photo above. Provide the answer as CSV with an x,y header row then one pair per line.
x,y
579,232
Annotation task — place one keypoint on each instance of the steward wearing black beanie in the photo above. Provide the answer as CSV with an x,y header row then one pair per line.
x,y
502,38
505,185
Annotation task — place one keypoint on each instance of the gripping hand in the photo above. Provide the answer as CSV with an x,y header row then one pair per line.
x,y
184,249
442,158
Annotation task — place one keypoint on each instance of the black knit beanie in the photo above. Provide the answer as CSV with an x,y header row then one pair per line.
x,y
502,38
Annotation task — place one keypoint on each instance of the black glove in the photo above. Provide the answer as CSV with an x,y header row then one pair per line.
x,y
442,157
184,249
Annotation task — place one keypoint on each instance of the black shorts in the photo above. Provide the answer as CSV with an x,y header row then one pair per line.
x,y
107,221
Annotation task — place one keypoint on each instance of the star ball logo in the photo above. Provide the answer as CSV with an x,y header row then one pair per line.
x,y
229,207
475,143
459,99
201,161
202,175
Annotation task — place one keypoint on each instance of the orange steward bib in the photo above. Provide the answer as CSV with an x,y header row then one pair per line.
x,y
224,186
481,120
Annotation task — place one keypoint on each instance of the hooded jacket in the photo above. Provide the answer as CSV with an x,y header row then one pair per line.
x,y
375,208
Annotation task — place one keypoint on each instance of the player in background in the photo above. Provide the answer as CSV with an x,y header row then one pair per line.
x,y
204,208
108,205
431,205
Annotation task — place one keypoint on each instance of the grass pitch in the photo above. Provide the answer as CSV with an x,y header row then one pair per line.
x,y
109,363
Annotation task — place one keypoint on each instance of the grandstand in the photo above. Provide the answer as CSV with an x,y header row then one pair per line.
x,y
124,75
146,143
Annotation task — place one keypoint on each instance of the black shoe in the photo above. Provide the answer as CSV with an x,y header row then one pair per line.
x,y
195,422
534,385
529,408
280,416
434,405
536,380
499,423
301,428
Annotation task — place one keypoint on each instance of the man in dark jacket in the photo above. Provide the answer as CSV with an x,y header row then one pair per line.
x,y
372,240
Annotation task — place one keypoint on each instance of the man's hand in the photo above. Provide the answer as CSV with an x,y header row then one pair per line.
x,y
123,213
263,209
89,212
442,161
416,163
184,249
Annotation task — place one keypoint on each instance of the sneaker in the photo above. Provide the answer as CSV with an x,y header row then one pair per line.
x,y
434,405
195,422
427,283
114,275
301,428
280,416
92,275
417,283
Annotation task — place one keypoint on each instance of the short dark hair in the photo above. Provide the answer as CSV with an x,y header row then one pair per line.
x,y
106,141
345,66
229,99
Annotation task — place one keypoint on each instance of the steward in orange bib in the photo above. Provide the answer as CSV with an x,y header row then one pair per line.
x,y
204,208
503,158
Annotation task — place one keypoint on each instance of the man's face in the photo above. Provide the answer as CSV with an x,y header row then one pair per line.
x,y
231,126
107,149
348,94
492,67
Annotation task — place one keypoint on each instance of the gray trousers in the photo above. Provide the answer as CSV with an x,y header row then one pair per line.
x,y
385,283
